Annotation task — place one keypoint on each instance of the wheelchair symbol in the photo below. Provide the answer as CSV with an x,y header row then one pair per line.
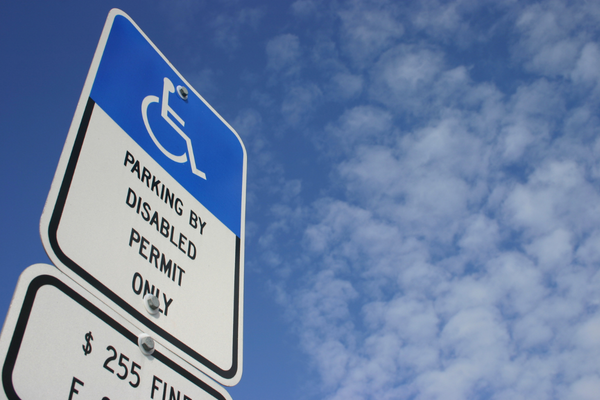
x,y
168,88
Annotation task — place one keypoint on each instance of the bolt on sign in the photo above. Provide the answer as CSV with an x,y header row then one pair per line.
x,y
147,206
58,342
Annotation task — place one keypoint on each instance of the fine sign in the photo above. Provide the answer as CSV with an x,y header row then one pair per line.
x,y
147,206
59,344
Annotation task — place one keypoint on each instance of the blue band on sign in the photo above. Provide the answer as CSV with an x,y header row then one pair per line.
x,y
137,88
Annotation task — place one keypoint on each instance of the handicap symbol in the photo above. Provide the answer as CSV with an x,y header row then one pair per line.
x,y
169,88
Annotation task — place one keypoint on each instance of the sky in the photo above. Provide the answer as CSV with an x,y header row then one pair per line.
x,y
423,200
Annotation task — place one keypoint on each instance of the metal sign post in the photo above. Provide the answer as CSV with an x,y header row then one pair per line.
x,y
58,343
147,207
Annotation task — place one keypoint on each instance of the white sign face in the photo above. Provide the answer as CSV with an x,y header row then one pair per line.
x,y
149,198
58,344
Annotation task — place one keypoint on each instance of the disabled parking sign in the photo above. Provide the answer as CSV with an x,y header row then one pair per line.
x,y
147,207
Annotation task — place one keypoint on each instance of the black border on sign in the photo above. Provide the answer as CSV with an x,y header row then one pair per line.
x,y
19,332
52,234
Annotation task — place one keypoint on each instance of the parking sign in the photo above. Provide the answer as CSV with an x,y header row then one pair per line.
x,y
147,206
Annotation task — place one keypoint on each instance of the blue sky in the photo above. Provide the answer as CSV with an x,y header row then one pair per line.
x,y
423,202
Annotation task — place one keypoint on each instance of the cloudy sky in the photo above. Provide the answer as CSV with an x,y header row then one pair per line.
x,y
423,208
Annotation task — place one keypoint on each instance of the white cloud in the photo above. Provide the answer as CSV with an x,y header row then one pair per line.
x,y
589,250
481,235
404,75
362,125
586,70
367,31
515,141
229,28
456,22
283,52
553,250
299,103
556,196
304,7
587,388
204,81
551,35
346,85
456,256
531,120
543,44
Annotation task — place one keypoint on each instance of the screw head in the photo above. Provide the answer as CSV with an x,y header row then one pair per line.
x,y
152,303
146,344
182,92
